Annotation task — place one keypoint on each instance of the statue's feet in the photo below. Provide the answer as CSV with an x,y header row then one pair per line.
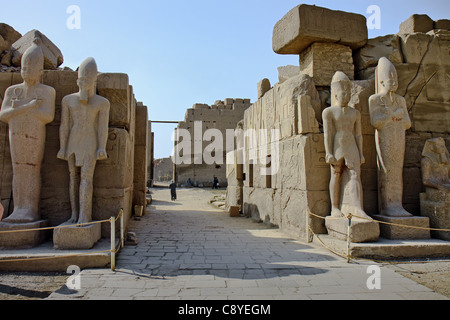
x,y
84,219
396,212
336,213
361,214
72,221
22,216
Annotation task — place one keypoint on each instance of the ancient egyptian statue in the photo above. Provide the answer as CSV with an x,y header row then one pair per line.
x,y
436,165
27,108
344,150
83,138
390,118
435,201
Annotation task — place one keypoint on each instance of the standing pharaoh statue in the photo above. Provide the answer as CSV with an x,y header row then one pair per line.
x,y
344,150
27,108
390,118
83,136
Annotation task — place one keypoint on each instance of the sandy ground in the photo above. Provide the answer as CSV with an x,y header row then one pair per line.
x,y
37,286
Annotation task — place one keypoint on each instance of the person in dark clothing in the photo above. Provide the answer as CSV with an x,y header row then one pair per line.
x,y
173,191
216,183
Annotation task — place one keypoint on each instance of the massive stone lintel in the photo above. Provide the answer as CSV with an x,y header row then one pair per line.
x,y
306,24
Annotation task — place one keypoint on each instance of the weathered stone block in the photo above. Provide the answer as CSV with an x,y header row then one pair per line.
x,y
400,228
435,205
417,23
117,170
322,60
360,231
306,24
307,122
115,87
8,36
442,24
235,211
53,57
386,46
23,240
76,238
287,72
263,87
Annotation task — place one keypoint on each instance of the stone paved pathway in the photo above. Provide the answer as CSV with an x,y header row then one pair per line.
x,y
190,251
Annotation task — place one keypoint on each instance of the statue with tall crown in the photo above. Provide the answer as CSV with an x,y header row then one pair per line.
x,y
344,149
389,116
27,108
83,138
344,152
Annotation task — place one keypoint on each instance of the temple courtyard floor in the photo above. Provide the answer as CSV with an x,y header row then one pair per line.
x,y
189,250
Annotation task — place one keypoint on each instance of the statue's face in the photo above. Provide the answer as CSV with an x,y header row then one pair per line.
x,y
30,71
440,148
342,92
391,84
86,82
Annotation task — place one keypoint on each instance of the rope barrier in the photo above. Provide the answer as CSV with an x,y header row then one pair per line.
x,y
113,251
349,257
54,228
382,222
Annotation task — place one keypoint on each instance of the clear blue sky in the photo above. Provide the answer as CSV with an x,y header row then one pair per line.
x,y
179,52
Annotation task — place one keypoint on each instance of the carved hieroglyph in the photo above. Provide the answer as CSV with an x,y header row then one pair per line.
x,y
390,118
344,149
435,201
436,165
27,108
83,135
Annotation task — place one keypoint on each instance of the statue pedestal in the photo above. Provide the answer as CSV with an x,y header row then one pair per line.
x,y
394,232
435,205
77,238
25,239
361,230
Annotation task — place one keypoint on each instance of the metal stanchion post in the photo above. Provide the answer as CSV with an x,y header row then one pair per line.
x,y
349,236
122,230
113,243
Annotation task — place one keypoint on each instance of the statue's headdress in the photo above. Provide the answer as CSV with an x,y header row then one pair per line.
x,y
385,70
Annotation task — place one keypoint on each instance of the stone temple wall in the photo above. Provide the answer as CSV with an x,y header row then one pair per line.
x,y
222,115
294,107
119,181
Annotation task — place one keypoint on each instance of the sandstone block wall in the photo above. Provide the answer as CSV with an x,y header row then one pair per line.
x,y
294,107
114,182
222,115
422,61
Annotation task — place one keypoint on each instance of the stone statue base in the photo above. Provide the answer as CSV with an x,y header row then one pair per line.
x,y
23,240
392,232
361,230
435,205
77,238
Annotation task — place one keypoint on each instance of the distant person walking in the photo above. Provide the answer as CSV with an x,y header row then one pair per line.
x,y
216,183
173,190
